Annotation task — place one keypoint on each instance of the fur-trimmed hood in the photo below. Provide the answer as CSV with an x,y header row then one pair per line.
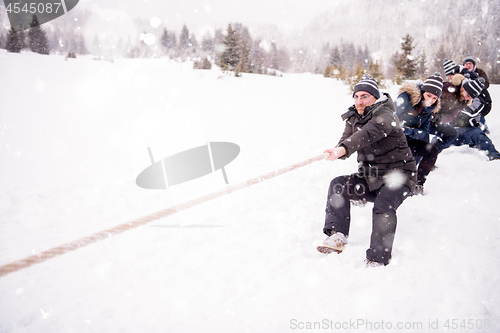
x,y
415,93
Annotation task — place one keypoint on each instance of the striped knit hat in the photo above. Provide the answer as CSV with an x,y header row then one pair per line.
x,y
433,84
450,67
469,58
473,87
367,84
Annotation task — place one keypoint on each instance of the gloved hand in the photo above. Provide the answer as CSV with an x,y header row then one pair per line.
x,y
408,132
436,119
464,119
474,123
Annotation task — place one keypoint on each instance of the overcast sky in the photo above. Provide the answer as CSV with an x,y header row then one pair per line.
x,y
287,14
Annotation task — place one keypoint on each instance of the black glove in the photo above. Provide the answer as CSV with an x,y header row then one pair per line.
x,y
408,132
436,119
474,123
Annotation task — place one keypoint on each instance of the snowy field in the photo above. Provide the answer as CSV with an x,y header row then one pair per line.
x,y
74,136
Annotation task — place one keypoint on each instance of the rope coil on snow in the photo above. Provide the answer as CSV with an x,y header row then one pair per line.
x,y
42,256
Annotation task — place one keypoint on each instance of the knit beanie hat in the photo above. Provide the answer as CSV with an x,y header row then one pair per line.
x,y
469,58
450,67
473,87
367,84
433,84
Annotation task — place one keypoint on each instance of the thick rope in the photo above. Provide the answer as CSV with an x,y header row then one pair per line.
x,y
79,243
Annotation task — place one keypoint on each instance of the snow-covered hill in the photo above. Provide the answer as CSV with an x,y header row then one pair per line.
x,y
74,136
458,27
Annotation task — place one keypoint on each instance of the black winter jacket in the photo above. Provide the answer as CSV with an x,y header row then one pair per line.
x,y
382,148
482,74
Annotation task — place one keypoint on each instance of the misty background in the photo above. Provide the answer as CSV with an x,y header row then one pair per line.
x,y
285,36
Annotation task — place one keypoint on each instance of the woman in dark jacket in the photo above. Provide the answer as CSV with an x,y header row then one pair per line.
x,y
415,106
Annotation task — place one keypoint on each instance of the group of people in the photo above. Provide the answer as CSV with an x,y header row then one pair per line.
x,y
397,145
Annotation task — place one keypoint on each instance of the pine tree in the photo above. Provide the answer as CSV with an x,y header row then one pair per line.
x,y
207,43
349,56
326,51
14,43
363,56
79,45
439,56
192,41
341,73
284,60
302,60
165,38
37,38
333,67
54,39
72,43
3,41
395,69
356,75
218,41
257,56
231,56
96,47
274,56
245,48
317,67
204,64
168,39
184,38
335,58
376,74
22,38
328,71
422,63
407,64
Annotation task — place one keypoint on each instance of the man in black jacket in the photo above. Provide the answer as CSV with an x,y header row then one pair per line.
x,y
470,64
386,174
483,101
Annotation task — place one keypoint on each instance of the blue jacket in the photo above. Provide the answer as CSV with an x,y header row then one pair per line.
x,y
415,125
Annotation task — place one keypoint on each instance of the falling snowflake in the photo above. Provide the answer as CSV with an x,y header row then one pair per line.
x,y
395,179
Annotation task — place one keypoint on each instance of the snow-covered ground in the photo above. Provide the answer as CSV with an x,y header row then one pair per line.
x,y
74,136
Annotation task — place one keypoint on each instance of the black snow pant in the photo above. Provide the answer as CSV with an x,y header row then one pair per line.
x,y
386,201
445,135
428,152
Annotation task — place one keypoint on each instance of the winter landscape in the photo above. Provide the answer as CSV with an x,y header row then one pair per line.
x,y
74,137
75,133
